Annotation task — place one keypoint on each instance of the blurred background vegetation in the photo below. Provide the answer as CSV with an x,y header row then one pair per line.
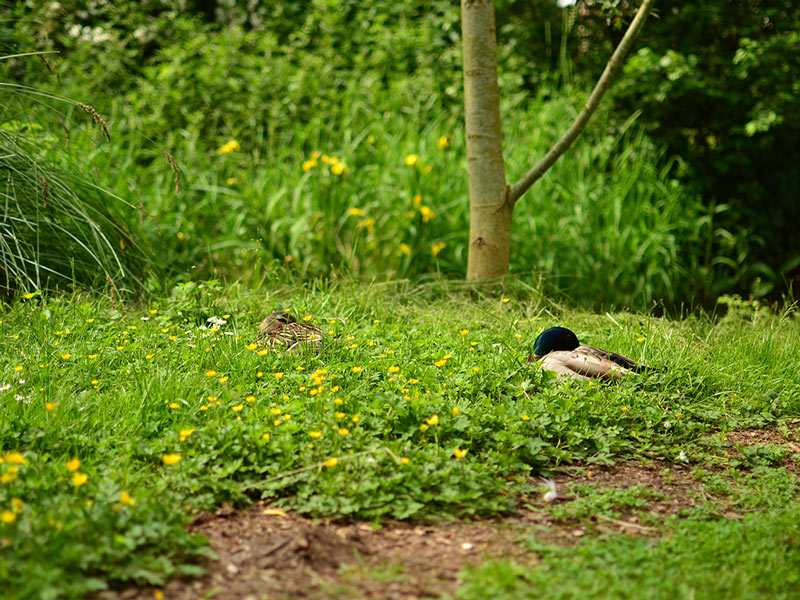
x,y
263,140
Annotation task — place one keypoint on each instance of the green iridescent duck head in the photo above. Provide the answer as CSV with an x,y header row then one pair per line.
x,y
554,339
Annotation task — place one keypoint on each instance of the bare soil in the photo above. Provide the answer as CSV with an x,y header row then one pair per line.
x,y
278,555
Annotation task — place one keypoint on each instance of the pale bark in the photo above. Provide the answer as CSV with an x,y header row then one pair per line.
x,y
612,68
490,209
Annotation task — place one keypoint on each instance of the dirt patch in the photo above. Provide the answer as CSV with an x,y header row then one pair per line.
x,y
788,443
276,555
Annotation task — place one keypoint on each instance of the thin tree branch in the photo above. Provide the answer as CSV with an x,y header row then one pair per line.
x,y
612,68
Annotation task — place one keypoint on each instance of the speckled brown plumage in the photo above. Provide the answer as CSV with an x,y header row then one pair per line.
x,y
281,330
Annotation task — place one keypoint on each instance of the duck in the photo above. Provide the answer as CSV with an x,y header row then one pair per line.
x,y
280,330
558,350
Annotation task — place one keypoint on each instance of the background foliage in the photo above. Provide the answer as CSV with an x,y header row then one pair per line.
x,y
680,190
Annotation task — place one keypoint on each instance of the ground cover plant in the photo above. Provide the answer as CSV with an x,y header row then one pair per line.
x,y
120,423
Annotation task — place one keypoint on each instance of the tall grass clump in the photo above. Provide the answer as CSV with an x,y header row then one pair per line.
x,y
57,228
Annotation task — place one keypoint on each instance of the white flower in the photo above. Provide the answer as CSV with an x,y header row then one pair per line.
x,y
5,387
565,3
551,493
682,456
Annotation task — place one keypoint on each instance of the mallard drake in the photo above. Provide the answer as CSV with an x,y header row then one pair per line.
x,y
281,330
557,349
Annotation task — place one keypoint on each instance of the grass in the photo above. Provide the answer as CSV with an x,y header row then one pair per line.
x,y
695,556
425,401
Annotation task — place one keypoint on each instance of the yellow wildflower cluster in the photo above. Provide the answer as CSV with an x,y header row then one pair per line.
x,y
336,166
443,361
436,248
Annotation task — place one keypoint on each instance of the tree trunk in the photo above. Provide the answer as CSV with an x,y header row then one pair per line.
x,y
490,208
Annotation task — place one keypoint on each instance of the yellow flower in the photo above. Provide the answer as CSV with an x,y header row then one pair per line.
x,y
171,459
455,410
463,331
459,453
10,476
405,249
356,212
7,516
264,436
126,499
211,373
405,460
640,339
50,405
15,458
19,368
308,165
262,352
338,168
427,213
174,405
260,374
412,159
74,464
185,433
250,398
440,363
366,224
17,505
443,143
433,420
223,379
78,479
238,408
344,431
436,248
331,462
525,418
357,369
29,295
315,434
158,595
149,356
66,356
275,411
340,415
278,375
394,369
506,300
92,356
356,418
413,381
251,346
229,147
